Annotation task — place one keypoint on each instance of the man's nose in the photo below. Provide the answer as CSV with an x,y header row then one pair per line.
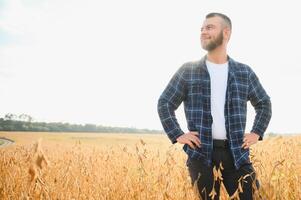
x,y
204,31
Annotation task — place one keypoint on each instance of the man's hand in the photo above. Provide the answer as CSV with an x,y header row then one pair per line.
x,y
250,139
190,138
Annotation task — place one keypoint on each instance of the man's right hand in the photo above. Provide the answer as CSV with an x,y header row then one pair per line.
x,y
191,138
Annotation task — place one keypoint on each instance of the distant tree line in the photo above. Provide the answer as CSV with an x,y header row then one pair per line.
x,y
24,122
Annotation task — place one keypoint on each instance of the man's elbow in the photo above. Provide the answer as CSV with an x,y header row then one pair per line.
x,y
265,107
164,103
160,103
162,107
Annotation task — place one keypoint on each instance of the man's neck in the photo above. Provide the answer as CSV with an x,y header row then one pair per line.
x,y
218,56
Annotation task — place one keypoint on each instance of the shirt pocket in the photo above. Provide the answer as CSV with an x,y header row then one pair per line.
x,y
194,96
239,94
240,91
194,87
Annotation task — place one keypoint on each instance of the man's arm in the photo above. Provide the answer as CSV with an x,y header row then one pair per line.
x,y
169,101
262,104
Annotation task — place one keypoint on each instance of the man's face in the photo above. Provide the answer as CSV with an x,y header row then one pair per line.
x,y
212,33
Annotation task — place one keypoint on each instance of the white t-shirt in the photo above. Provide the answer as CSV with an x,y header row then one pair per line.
x,y
218,82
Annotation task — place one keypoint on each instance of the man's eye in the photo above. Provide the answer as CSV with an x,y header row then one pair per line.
x,y
207,28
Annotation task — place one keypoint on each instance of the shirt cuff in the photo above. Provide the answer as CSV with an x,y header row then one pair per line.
x,y
258,133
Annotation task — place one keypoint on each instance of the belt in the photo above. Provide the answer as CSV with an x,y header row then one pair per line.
x,y
220,143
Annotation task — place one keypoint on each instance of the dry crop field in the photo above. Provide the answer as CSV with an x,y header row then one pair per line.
x,y
128,166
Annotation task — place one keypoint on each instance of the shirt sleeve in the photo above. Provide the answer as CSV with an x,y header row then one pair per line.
x,y
261,103
172,96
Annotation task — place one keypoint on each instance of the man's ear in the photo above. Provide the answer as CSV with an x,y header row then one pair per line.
x,y
227,33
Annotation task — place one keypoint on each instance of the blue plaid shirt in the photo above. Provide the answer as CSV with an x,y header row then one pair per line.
x,y
191,85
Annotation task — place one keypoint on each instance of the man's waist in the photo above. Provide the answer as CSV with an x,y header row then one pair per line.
x,y
218,143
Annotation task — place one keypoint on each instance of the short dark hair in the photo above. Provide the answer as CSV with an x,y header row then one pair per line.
x,y
226,19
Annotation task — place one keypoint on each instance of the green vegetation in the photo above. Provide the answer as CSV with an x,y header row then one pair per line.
x,y
25,122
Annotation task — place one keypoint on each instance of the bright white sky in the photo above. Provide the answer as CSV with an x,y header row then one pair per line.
x,y
107,62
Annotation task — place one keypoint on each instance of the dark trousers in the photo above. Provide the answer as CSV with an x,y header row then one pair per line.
x,y
202,176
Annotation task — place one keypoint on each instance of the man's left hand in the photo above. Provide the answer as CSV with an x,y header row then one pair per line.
x,y
249,139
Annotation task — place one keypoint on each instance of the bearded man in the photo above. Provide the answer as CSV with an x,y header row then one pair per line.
x,y
215,91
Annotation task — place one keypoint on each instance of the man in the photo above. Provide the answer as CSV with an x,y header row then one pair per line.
x,y
215,91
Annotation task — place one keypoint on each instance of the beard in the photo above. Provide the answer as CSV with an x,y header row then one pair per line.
x,y
214,43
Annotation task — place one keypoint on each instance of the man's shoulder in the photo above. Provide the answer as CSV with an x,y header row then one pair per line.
x,y
239,66
187,68
192,64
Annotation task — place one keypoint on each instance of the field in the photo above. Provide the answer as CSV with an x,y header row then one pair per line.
x,y
128,166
